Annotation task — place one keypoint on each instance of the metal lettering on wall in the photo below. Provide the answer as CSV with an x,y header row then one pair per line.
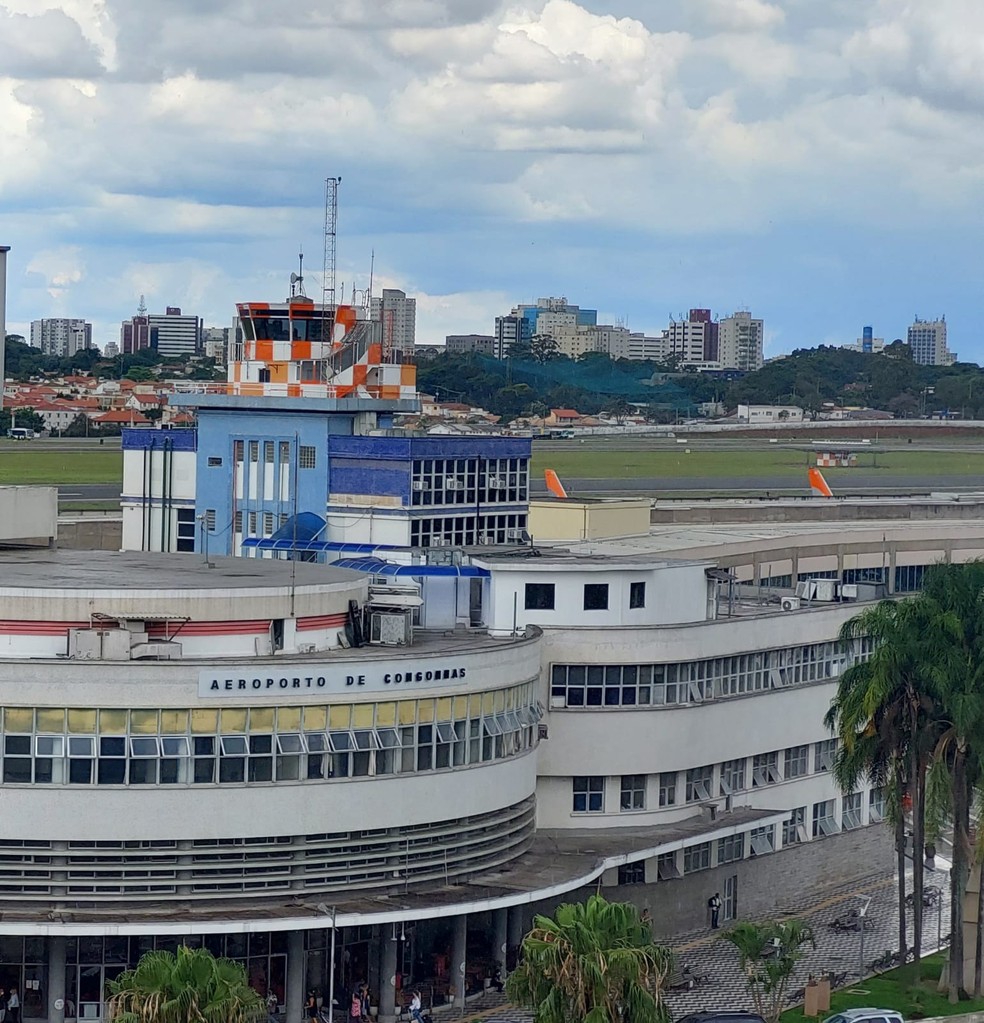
x,y
320,678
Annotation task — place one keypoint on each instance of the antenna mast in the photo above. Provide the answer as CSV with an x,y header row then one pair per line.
x,y
331,219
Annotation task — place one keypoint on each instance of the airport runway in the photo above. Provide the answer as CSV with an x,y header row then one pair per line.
x,y
859,483
88,492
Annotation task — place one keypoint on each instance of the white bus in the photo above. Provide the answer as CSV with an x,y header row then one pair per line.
x,y
20,433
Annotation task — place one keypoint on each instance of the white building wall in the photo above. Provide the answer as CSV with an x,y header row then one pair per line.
x,y
674,593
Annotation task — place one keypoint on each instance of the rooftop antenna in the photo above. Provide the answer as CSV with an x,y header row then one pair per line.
x,y
331,219
297,280
372,269
142,307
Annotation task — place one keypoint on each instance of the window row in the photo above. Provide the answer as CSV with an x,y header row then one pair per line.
x,y
703,856
821,819
467,530
312,718
543,596
688,682
702,784
242,759
469,481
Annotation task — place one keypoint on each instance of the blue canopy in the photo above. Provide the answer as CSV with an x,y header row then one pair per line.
x,y
279,543
304,526
376,566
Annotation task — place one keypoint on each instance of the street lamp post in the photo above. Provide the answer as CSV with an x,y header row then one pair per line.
x,y
862,920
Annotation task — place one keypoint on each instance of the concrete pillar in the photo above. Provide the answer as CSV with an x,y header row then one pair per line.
x,y
459,957
517,930
296,993
56,979
374,979
387,976
892,552
500,921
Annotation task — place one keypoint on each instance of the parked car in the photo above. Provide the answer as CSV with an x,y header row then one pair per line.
x,y
866,1016
721,1017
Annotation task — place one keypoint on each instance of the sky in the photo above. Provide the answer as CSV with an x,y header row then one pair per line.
x,y
818,163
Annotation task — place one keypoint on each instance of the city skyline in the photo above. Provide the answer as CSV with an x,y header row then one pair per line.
x,y
813,166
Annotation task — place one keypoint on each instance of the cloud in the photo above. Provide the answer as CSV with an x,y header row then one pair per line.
x,y
60,269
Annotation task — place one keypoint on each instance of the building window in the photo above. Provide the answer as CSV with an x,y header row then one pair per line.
x,y
794,828
637,595
824,822
268,521
214,460
539,597
763,840
268,452
823,755
851,811
732,776
237,450
210,519
589,794
284,450
765,769
667,788
596,596
254,450
876,805
633,794
699,780
731,848
308,456
697,857
238,522
666,866
795,761
186,529
632,873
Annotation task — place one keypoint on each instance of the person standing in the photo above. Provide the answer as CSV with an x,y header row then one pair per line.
x,y
714,905
415,1014
311,1008
13,1006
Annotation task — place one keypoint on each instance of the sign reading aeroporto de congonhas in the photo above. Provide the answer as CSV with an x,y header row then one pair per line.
x,y
324,679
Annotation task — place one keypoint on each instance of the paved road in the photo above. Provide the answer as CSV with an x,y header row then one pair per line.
x,y
860,482
89,492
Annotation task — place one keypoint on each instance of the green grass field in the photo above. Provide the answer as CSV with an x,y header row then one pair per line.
x,y
22,464
895,990
590,463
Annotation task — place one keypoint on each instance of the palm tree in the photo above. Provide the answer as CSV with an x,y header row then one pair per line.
x,y
593,962
768,953
189,987
957,592
885,716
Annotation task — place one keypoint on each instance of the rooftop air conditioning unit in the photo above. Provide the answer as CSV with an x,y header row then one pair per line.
x,y
790,603
390,629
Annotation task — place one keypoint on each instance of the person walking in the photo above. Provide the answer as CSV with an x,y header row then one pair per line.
x,y
311,1008
714,905
415,1013
13,1006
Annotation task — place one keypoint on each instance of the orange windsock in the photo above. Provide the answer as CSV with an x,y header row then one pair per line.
x,y
819,484
553,483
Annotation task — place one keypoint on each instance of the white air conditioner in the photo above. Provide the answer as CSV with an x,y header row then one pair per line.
x,y
438,541
486,538
419,485
496,483
790,603
515,534
390,629
453,483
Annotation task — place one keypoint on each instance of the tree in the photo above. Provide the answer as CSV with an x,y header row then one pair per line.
x,y
593,962
768,953
885,715
192,986
618,409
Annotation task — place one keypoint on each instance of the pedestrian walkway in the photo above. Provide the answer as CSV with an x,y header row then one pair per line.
x,y
836,952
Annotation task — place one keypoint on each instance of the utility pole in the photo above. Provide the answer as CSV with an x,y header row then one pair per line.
x,y
4,249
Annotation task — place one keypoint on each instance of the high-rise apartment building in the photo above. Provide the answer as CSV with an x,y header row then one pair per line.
x,y
508,331
694,340
867,343
927,340
560,320
740,342
176,333
215,343
61,338
398,316
135,335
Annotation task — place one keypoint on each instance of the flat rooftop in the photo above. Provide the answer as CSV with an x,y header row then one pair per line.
x,y
135,570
